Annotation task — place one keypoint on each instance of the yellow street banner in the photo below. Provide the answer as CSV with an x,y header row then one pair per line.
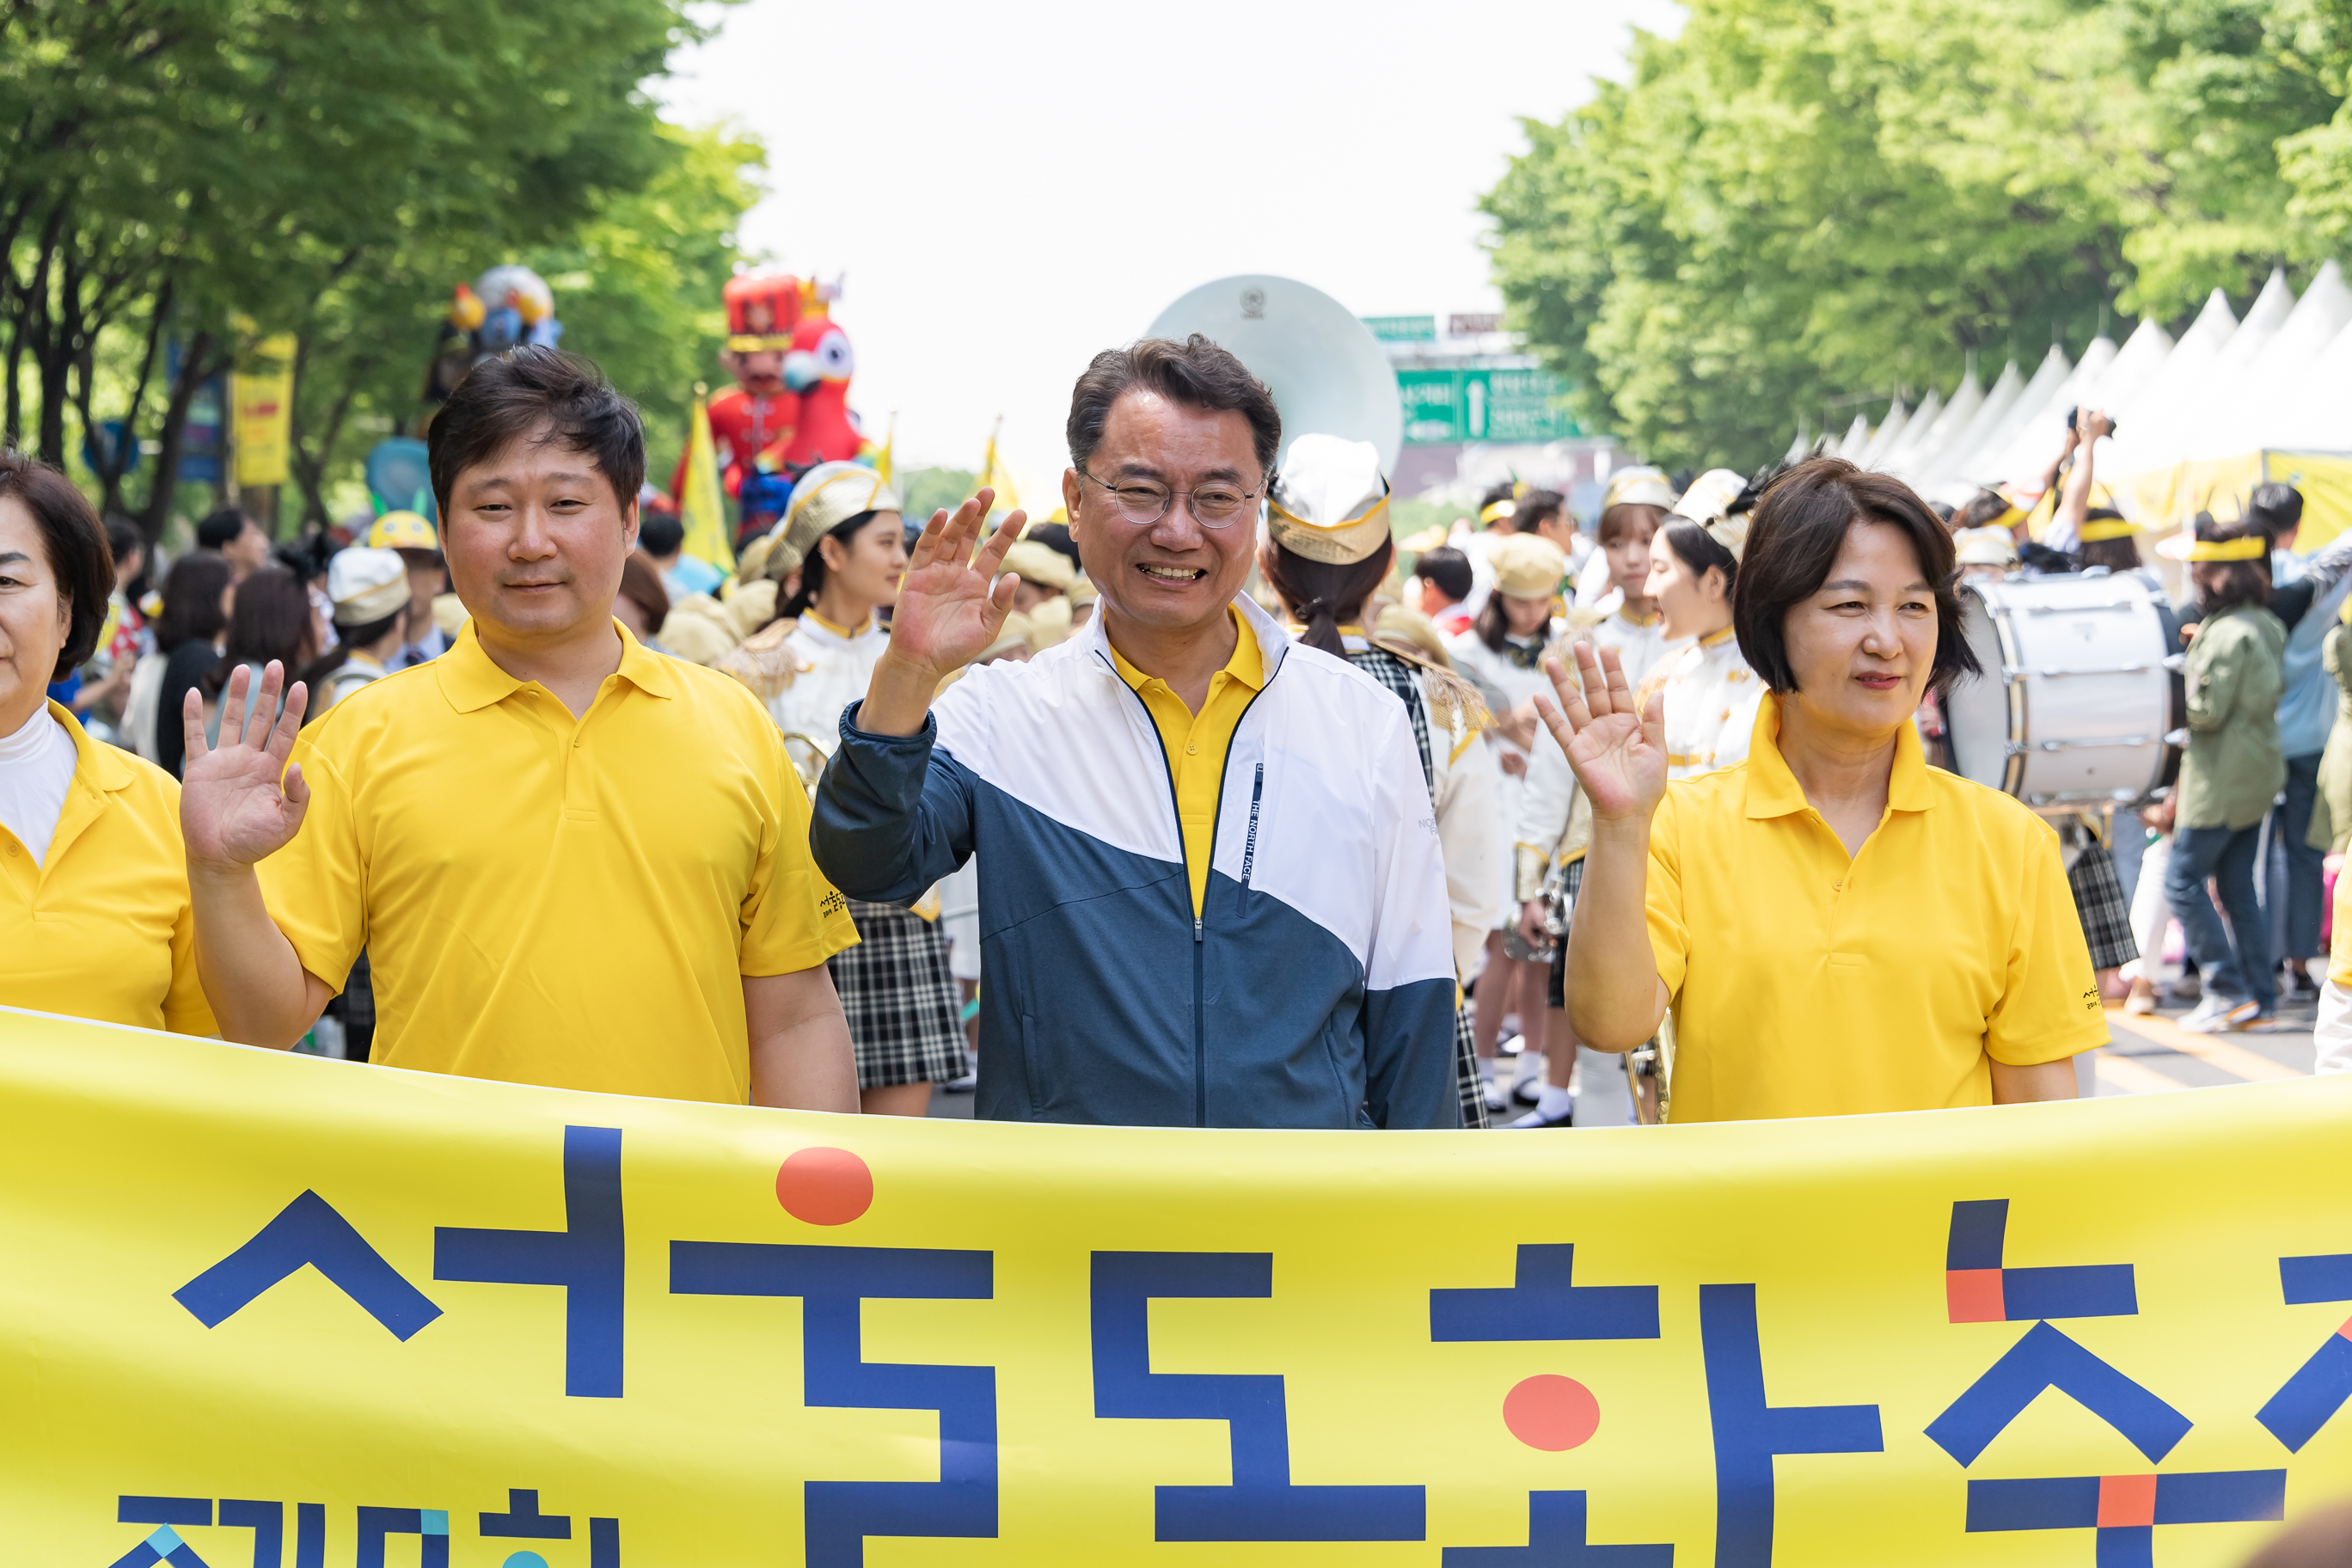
x,y
263,397
278,1310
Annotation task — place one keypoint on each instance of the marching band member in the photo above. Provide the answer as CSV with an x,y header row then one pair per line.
x,y
1327,550
1234,915
1502,653
842,529
1677,628
1831,880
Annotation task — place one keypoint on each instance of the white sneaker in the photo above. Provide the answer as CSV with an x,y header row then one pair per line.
x,y
1498,1097
2219,1016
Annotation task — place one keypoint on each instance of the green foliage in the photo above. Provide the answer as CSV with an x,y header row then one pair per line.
x,y
926,490
1796,201
203,172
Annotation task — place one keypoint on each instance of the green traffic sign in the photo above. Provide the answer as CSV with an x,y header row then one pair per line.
x,y
1403,329
1444,407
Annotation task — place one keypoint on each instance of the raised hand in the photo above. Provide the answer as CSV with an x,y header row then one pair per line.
x,y
950,607
239,802
1618,752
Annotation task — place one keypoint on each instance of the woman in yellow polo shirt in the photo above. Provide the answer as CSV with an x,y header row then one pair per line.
x,y
1836,926
94,916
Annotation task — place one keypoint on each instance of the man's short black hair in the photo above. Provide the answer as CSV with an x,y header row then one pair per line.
x,y
2277,506
1195,372
1448,569
220,530
76,545
1537,508
559,396
660,535
1799,526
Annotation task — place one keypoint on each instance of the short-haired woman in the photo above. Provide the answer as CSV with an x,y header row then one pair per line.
x,y
1836,927
2231,772
94,918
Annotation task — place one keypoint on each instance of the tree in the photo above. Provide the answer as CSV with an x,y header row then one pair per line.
x,y
1799,200
182,165
636,281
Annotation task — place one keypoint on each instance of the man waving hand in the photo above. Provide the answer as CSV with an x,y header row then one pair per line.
x,y
1210,881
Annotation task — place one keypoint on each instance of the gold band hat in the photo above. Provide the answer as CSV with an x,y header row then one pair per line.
x,y
1330,503
827,496
1527,566
1639,486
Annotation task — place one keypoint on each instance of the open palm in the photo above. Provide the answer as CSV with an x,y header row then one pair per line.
x,y
951,607
239,803
1619,750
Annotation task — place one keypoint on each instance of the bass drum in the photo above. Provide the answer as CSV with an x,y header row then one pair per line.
x,y
2076,703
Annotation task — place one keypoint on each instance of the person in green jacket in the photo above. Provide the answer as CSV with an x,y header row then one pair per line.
x,y
2232,772
2331,818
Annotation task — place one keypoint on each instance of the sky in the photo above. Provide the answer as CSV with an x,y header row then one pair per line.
x,y
1006,190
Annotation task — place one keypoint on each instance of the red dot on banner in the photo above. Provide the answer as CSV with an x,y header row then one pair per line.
x,y
825,1186
1551,1413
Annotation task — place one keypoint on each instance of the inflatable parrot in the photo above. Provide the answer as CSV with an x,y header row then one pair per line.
x,y
789,407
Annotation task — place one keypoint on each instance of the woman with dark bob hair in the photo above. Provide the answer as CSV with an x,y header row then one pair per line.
x,y
1835,926
94,918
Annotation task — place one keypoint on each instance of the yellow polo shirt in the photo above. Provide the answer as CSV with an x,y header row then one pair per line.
x,y
1197,744
100,928
545,899
1809,984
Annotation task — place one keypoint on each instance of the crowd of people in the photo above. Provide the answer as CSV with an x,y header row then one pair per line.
x,y
1197,804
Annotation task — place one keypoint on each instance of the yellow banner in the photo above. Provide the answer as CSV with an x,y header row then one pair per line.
x,y
263,397
288,1311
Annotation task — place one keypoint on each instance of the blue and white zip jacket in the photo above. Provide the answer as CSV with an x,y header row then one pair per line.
x,y
1317,988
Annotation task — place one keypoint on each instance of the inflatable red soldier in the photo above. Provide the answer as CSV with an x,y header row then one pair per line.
x,y
760,411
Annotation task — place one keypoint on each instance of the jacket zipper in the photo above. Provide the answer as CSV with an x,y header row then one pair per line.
x,y
1176,806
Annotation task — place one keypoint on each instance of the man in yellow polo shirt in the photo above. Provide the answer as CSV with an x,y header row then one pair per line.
x,y
572,861
1233,912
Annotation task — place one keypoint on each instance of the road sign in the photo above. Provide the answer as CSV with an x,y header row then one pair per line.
x,y
1444,407
1403,329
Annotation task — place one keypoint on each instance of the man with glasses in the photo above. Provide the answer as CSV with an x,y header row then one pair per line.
x,y
1210,892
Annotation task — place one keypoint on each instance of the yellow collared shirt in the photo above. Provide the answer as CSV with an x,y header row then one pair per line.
x,y
1197,744
1809,984
101,929
552,900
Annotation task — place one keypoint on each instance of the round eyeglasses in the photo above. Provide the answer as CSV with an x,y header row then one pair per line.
x,y
1215,505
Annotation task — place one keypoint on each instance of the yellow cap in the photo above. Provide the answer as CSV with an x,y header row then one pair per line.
x,y
402,531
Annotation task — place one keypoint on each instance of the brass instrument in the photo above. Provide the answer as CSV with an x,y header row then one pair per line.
x,y
808,755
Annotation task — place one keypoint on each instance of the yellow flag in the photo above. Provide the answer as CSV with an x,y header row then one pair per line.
x,y
701,504
263,396
889,442
993,477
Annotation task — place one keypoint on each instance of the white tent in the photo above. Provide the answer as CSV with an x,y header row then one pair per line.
x,y
1915,430
2316,415
1997,404
2184,370
1889,428
1967,398
2033,445
2161,429
2242,413
1856,436
1967,472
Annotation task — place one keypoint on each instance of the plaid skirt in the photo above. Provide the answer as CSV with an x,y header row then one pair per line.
x,y
2099,902
1465,1069
899,998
